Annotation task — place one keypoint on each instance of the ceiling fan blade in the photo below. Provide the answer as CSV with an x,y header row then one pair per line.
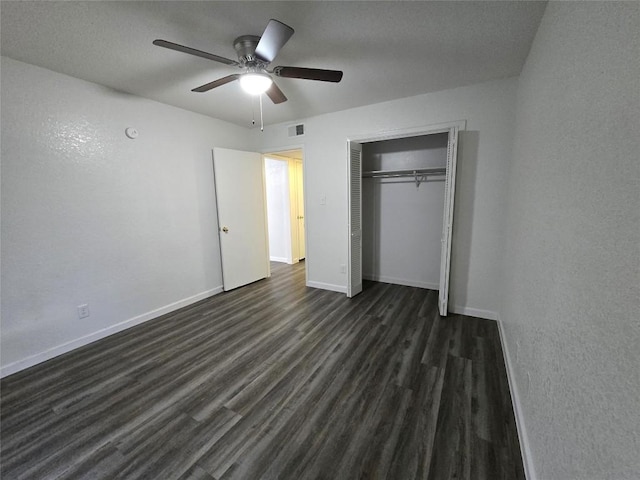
x,y
216,83
273,39
309,73
193,51
275,94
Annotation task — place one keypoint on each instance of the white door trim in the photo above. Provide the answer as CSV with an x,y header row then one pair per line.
x,y
409,132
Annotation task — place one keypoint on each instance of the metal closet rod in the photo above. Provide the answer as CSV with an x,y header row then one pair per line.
x,y
405,173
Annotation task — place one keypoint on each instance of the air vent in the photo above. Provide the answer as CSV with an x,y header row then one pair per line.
x,y
296,130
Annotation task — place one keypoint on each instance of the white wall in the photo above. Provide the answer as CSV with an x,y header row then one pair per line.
x,y
484,153
402,222
90,216
278,209
571,303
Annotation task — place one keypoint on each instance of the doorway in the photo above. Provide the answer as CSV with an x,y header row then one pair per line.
x,y
284,180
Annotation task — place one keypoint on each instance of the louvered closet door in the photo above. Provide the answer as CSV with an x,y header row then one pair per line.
x,y
354,281
447,222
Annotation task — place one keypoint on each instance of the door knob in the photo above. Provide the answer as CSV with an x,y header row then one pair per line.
x,y
225,229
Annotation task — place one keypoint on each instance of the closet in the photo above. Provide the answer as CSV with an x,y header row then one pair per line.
x,y
401,191
402,208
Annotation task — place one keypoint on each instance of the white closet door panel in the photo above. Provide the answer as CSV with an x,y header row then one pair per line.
x,y
354,281
447,221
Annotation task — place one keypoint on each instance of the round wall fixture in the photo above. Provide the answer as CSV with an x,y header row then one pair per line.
x,y
131,132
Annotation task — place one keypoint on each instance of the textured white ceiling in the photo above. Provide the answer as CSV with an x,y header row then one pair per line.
x,y
387,50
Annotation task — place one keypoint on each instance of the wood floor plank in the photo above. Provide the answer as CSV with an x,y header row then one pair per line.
x,y
103,463
437,348
412,455
450,457
415,341
195,473
274,380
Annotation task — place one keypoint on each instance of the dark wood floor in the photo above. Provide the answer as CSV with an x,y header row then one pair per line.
x,y
274,380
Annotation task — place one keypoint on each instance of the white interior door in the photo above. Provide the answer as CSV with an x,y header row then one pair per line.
x,y
449,195
354,173
240,197
300,205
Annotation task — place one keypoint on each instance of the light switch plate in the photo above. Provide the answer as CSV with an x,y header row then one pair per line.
x,y
83,311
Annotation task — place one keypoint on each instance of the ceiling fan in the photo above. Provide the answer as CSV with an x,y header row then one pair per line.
x,y
254,56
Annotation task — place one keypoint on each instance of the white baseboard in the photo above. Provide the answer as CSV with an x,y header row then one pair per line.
x,y
327,286
401,281
280,259
105,332
525,450
473,312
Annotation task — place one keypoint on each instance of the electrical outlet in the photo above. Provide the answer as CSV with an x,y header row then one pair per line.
x,y
83,311
343,268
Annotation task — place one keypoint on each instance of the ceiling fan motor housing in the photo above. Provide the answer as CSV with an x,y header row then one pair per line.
x,y
245,46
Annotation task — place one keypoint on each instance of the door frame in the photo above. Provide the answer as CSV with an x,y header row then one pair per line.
x,y
298,190
275,151
445,127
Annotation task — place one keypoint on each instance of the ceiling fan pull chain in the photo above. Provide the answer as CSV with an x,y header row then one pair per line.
x,y
261,121
253,112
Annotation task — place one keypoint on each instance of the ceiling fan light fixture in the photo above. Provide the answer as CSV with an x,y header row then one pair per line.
x,y
255,83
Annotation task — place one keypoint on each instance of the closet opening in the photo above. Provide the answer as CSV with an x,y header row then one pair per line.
x,y
401,192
